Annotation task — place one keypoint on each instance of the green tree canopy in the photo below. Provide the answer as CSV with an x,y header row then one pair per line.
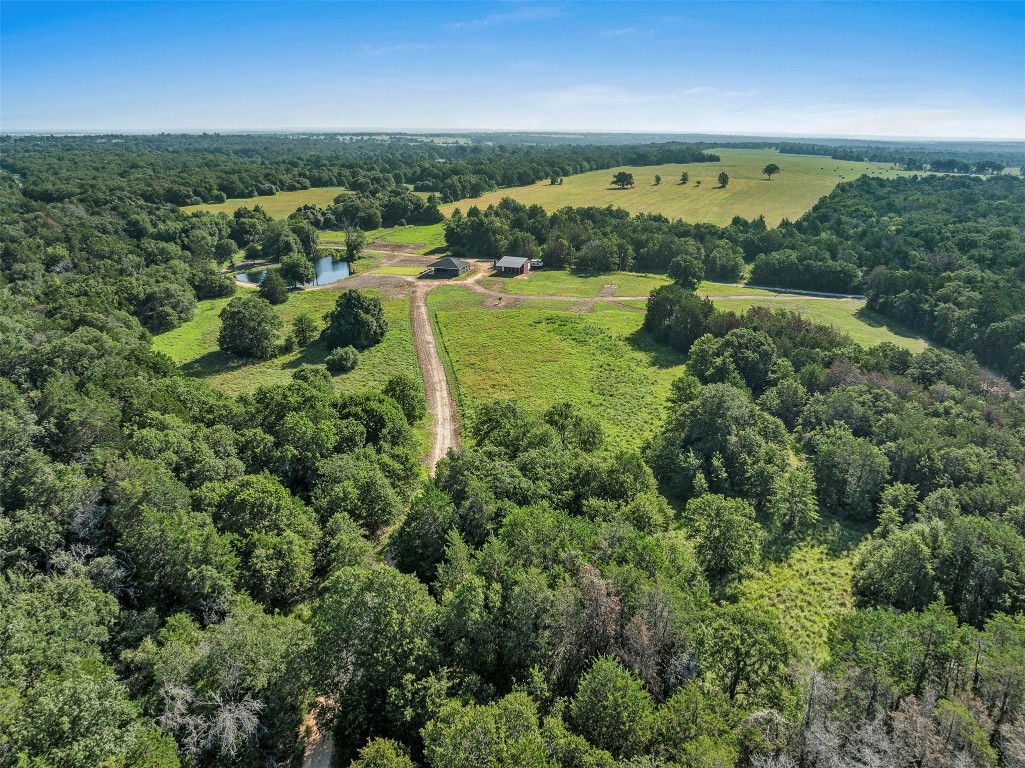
x,y
357,320
273,288
249,328
296,268
623,179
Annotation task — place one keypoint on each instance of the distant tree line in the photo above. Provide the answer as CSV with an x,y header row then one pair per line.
x,y
911,158
593,239
187,170
944,256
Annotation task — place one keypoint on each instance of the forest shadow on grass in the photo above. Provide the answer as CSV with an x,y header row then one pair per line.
x,y
312,354
838,536
215,362
874,319
658,355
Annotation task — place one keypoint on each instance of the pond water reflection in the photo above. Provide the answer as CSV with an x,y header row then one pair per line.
x,y
328,269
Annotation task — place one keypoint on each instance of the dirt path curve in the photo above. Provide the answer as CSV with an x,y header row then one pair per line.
x,y
439,398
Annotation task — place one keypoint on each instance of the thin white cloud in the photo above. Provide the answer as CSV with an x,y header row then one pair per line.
x,y
370,51
712,109
526,13
626,32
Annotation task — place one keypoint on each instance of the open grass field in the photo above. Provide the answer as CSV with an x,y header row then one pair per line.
x,y
602,362
562,283
809,590
848,315
194,347
279,206
430,237
799,185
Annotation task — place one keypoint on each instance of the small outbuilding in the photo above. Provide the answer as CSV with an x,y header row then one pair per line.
x,y
512,265
449,267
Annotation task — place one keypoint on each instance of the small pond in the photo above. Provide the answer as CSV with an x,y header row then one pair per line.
x,y
328,269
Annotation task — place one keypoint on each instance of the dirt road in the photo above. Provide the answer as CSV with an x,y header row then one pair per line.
x,y
439,398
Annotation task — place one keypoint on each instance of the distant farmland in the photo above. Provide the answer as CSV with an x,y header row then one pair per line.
x,y
279,206
799,185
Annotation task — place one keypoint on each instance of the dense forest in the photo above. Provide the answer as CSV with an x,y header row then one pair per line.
x,y
187,575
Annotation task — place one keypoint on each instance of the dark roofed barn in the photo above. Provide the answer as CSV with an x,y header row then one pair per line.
x,y
449,267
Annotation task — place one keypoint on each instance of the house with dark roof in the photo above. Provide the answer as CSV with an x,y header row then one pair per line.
x,y
512,265
449,267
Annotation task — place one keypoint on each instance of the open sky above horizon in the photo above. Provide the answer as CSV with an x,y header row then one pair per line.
x,y
931,70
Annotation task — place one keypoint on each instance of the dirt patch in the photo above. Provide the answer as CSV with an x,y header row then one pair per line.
x,y
392,286
319,744
385,247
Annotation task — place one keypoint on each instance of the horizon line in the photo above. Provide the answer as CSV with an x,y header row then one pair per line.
x,y
376,130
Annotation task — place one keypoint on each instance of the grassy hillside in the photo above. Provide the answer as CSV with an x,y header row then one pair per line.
x,y
800,183
280,206
194,347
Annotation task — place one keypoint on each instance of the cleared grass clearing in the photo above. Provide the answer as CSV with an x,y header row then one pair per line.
x,y
809,590
429,237
602,362
279,206
194,347
799,185
562,283
848,315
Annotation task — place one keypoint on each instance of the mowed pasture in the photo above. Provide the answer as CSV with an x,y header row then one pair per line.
x,y
279,206
799,185
426,238
193,346
848,315
601,361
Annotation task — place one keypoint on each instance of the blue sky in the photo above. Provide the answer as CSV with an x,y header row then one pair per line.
x,y
814,69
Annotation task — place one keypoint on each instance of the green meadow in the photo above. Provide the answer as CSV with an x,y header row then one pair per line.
x,y
427,237
194,347
800,183
279,206
848,315
538,355
562,283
